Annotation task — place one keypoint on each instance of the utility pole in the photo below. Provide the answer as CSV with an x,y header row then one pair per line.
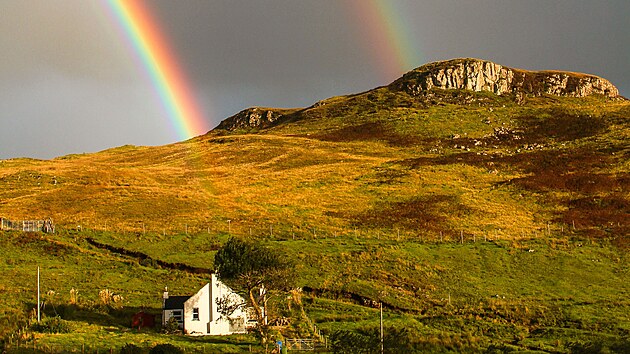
x,y
382,347
38,303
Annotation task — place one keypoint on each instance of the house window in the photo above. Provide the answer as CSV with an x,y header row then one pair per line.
x,y
195,314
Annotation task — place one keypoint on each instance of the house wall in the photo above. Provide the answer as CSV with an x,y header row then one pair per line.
x,y
201,301
210,321
221,325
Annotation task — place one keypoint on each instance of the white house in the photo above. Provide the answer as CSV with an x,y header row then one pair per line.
x,y
198,314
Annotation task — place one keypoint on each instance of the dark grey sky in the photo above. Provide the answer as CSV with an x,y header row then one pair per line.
x,y
71,83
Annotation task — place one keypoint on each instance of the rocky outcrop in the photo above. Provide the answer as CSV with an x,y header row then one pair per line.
x,y
474,75
482,75
253,117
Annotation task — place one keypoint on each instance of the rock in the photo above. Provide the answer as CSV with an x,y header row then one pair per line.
x,y
252,117
481,75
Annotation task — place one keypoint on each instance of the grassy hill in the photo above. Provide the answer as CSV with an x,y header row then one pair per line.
x,y
480,221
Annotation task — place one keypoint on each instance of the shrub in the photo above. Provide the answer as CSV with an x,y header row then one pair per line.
x,y
149,262
171,326
108,298
74,296
601,346
348,342
132,349
52,325
165,349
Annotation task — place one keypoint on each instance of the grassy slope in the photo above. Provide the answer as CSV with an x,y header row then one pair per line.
x,y
367,185
67,262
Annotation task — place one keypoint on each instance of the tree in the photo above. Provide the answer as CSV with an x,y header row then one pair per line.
x,y
257,272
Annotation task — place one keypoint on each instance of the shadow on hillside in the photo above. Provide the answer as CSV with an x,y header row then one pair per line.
x,y
36,240
97,314
561,126
428,212
598,200
372,131
119,320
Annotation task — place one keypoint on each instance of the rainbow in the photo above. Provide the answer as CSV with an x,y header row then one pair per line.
x,y
387,35
162,66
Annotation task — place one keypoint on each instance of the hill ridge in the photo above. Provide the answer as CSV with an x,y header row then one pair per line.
x,y
475,75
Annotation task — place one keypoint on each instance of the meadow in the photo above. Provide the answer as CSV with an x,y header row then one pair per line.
x,y
548,294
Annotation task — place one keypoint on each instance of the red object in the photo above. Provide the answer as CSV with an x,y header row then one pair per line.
x,y
142,319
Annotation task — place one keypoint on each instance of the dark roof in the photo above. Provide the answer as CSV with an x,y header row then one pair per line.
x,y
175,302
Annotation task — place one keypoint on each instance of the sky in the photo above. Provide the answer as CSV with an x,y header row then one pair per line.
x,y
72,81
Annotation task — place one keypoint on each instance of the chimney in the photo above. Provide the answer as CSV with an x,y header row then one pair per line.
x,y
164,296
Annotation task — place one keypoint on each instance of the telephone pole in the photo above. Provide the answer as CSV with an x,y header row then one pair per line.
x,y
38,303
382,348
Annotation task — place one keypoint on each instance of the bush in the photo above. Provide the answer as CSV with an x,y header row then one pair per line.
x,y
52,325
149,262
601,346
348,342
132,349
171,326
165,349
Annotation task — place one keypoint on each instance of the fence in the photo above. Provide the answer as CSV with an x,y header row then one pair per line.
x,y
284,231
28,225
299,344
308,344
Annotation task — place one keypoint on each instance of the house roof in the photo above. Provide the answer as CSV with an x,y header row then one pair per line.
x,y
175,302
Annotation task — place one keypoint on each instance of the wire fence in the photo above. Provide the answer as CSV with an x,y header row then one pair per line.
x,y
301,344
278,231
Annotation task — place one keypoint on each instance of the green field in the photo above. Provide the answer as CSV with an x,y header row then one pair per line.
x,y
537,294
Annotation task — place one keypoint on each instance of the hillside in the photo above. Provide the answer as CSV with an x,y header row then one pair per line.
x,y
433,186
441,160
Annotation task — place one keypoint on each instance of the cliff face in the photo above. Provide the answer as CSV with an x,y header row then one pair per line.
x,y
481,75
253,117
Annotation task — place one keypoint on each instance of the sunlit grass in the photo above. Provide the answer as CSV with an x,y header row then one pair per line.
x,y
513,212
